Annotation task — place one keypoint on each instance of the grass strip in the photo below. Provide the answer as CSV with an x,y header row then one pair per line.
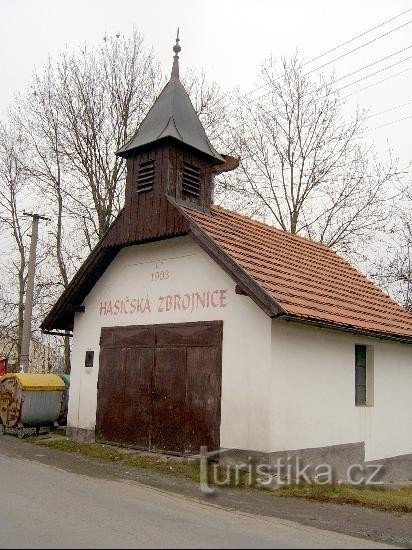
x,y
381,498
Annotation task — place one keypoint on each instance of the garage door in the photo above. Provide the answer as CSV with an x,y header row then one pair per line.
x,y
160,387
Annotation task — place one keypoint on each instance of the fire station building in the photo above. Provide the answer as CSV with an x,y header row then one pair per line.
x,y
194,325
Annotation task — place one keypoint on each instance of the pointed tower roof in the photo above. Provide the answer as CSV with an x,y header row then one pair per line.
x,y
172,116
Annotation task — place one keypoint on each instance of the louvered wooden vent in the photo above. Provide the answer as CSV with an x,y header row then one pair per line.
x,y
191,179
145,176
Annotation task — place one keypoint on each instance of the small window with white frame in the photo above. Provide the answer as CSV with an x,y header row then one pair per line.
x,y
364,375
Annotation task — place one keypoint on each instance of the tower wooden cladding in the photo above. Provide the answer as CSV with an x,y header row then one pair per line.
x,y
156,172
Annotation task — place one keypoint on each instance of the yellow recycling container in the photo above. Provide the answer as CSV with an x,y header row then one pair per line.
x,y
30,400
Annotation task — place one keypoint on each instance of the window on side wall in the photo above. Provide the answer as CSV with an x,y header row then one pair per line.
x,y
363,375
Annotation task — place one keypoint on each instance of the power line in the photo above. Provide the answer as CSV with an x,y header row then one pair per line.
x,y
389,123
365,88
359,80
390,109
348,42
236,100
376,83
372,64
359,47
356,37
375,73
350,74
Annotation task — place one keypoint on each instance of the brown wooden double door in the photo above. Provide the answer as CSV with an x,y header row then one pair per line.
x,y
159,387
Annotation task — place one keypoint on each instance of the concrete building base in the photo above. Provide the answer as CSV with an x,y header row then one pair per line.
x,y
81,435
396,469
336,463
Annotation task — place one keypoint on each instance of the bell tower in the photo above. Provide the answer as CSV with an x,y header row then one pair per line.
x,y
170,155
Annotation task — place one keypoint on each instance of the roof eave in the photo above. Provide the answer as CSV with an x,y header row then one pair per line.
x,y
61,315
400,338
126,151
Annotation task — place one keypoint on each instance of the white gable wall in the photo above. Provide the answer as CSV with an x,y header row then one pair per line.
x,y
314,397
246,353
285,386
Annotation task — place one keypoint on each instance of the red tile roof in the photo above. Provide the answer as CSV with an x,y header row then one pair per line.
x,y
307,279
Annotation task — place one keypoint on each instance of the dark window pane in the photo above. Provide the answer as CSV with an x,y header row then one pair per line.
x,y
360,352
360,375
360,395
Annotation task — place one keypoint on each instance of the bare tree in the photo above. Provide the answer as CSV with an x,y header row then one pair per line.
x,y
100,96
304,166
37,114
13,191
75,114
392,269
395,271
210,104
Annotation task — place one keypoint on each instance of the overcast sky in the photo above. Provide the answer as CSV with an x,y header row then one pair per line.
x,y
229,39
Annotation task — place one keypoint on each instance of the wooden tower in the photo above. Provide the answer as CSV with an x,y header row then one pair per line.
x,y
170,155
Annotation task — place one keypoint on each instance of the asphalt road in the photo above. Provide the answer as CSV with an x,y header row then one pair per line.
x,y
46,507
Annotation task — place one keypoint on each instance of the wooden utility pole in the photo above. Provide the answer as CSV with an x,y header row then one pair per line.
x,y
28,304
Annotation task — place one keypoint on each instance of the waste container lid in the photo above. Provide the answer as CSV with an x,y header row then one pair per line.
x,y
37,382
65,378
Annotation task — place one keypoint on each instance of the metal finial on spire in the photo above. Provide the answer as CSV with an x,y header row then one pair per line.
x,y
177,49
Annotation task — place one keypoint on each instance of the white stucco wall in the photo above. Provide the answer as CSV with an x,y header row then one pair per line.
x,y
313,403
285,386
246,354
